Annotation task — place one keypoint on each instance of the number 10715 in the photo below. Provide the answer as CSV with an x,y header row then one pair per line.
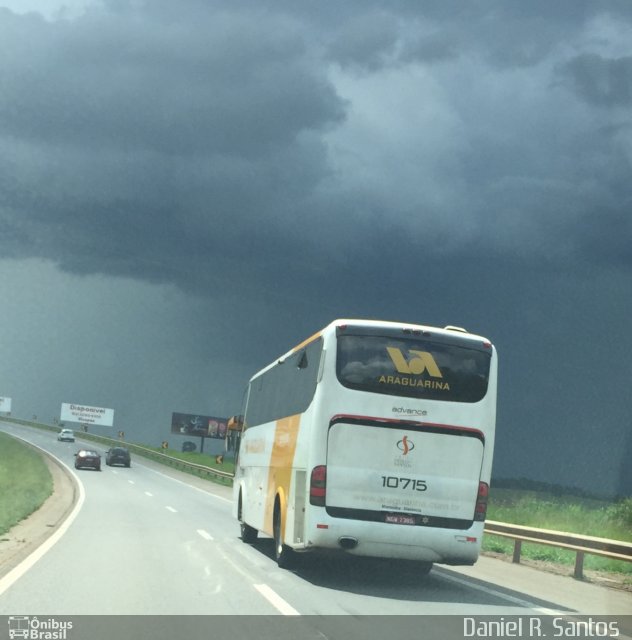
x,y
395,482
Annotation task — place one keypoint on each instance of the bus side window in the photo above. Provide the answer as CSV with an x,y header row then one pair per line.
x,y
285,389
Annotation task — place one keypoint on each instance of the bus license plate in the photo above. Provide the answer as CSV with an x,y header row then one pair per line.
x,y
395,518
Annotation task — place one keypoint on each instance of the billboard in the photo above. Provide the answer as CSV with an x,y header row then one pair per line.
x,y
188,424
5,405
86,415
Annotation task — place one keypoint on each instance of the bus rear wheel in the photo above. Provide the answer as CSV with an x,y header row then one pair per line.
x,y
283,554
248,533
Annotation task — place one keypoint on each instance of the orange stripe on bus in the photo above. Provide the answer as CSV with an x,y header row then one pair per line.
x,y
298,347
281,463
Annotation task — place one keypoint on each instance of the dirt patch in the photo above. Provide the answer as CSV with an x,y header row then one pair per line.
x,y
619,581
26,536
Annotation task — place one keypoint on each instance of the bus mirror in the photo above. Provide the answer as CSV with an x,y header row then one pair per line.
x,y
235,423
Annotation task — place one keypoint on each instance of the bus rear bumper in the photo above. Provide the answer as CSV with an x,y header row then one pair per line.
x,y
381,540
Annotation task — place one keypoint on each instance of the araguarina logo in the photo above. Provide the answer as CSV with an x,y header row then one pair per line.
x,y
405,445
420,362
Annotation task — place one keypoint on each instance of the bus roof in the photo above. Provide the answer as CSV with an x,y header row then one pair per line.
x,y
448,330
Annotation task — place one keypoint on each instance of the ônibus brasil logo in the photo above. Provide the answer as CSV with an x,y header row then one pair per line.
x,y
34,628
405,445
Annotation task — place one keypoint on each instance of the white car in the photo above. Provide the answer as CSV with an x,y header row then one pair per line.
x,y
66,435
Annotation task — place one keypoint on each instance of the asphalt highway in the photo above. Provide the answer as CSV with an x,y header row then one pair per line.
x,y
149,540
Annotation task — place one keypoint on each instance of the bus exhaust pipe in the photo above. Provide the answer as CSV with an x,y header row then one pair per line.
x,y
347,543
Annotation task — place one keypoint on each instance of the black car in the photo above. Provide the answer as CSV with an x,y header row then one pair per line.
x,y
88,458
118,455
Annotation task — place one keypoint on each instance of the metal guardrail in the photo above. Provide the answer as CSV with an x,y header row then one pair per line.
x,y
582,545
198,469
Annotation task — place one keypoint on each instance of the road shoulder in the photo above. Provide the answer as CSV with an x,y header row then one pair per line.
x,y
20,541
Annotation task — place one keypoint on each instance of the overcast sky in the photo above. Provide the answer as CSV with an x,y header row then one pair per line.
x,y
189,189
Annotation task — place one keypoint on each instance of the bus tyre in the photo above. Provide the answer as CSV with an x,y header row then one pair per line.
x,y
248,533
283,554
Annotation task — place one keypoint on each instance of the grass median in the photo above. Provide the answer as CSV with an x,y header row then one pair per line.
x,y
25,482
584,516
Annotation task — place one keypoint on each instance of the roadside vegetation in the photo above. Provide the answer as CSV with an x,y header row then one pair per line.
x,y
579,514
222,463
25,482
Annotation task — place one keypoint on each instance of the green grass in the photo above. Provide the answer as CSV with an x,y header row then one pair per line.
x,y
195,457
203,459
25,482
585,516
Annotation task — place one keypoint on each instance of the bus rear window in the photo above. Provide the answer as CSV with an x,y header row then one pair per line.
x,y
413,367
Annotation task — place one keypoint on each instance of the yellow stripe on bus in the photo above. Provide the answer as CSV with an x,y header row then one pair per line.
x,y
281,463
298,347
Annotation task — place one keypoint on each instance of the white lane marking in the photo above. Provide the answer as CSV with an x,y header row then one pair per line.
x,y
276,600
131,482
148,493
235,566
171,509
271,596
205,534
17,572
190,486
499,594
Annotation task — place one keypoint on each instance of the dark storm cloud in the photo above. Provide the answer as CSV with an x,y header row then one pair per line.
x,y
140,147
367,41
147,141
220,85
602,81
289,163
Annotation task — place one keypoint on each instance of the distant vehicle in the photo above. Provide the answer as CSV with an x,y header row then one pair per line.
x,y
66,435
118,455
88,458
374,439
188,446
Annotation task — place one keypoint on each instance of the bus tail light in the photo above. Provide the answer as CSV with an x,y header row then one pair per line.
x,y
318,486
480,510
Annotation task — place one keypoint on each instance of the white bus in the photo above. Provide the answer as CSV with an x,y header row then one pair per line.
x,y
371,438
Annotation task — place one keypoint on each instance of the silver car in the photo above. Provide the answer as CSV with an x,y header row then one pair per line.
x,y
66,435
